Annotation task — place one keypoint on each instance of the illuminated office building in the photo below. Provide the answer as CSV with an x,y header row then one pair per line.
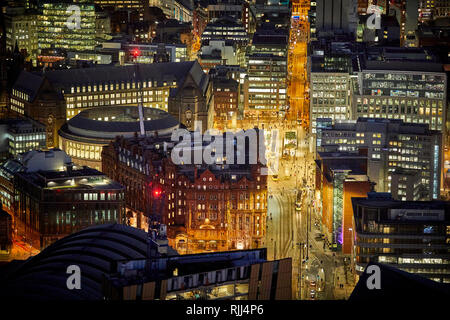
x,y
54,31
410,235
267,73
225,28
21,30
122,4
403,158
20,135
331,71
400,83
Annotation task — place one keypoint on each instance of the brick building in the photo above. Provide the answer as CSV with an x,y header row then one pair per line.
x,y
206,207
226,98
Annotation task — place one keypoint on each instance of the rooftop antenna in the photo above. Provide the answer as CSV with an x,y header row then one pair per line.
x,y
136,53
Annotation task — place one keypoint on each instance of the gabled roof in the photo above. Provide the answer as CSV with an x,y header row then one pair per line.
x,y
29,83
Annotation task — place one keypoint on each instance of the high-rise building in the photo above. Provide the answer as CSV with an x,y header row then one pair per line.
x,y
21,31
403,158
330,79
266,58
401,83
410,235
60,27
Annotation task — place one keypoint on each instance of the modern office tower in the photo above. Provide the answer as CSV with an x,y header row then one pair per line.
x,y
225,28
335,16
227,199
53,97
267,73
331,70
401,83
341,176
84,135
59,26
221,8
21,31
20,135
410,235
403,158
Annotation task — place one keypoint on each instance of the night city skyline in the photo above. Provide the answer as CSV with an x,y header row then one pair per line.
x,y
225,150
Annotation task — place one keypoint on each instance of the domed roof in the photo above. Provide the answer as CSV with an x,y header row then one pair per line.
x,y
95,250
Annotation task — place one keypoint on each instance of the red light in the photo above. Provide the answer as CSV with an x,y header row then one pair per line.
x,y
157,193
136,53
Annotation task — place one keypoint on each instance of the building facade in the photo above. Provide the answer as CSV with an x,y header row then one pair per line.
x,y
410,235
206,207
404,84
340,176
20,135
403,158
266,96
53,97
58,29
84,136
230,275
21,30
51,204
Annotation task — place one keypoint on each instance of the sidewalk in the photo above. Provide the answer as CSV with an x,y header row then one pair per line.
x,y
343,276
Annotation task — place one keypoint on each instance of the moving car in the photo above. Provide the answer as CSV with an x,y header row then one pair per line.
x,y
275,177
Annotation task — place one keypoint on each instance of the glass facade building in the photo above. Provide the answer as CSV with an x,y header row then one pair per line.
x,y
404,158
412,236
58,26
416,97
